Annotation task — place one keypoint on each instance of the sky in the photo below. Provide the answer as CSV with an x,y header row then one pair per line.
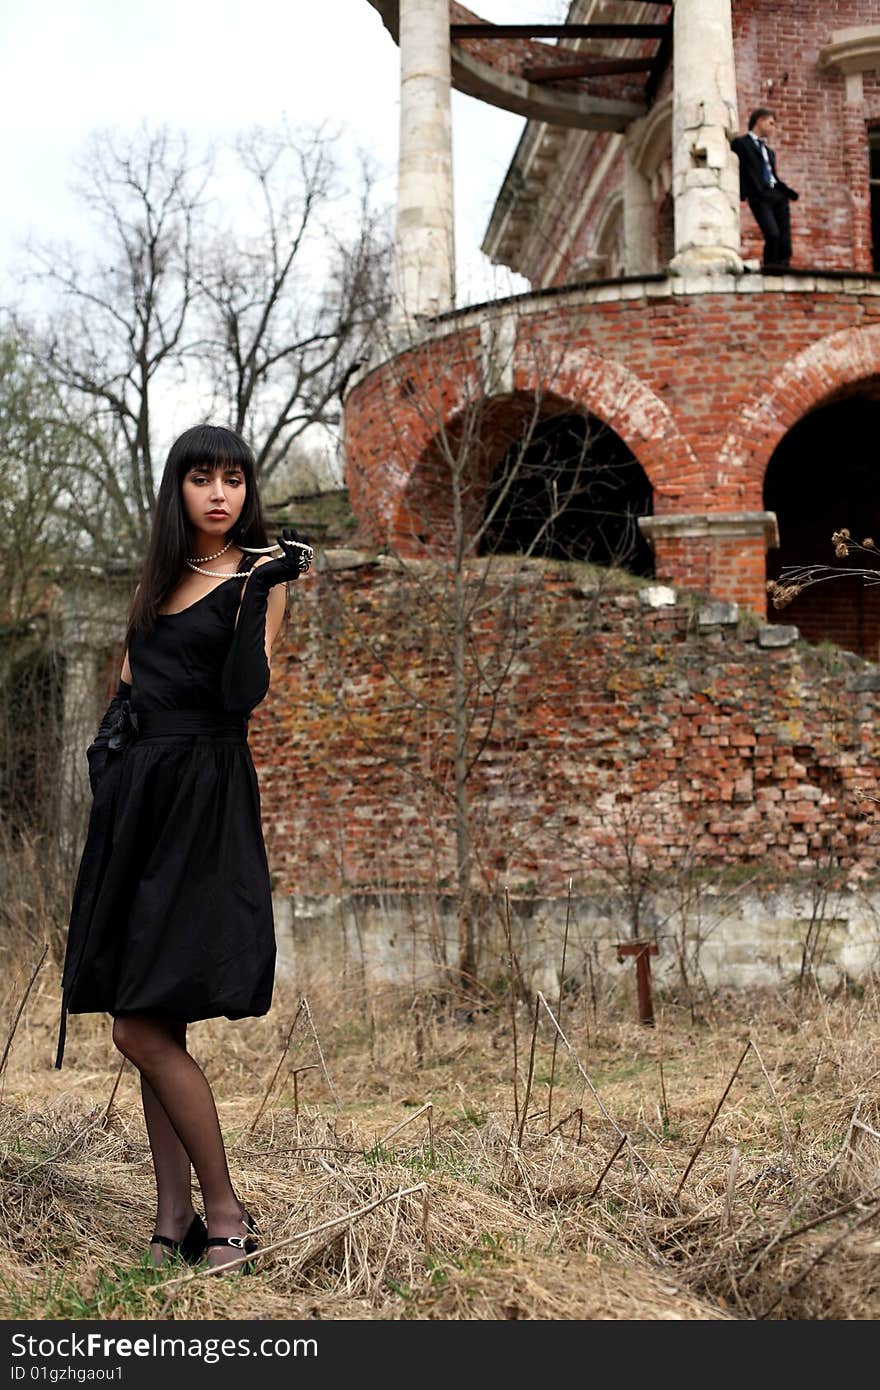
x,y
212,67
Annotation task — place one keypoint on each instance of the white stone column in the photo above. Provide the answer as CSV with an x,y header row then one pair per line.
x,y
424,281
705,171
639,238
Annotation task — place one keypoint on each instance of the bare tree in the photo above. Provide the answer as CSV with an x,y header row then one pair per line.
x,y
467,603
122,320
256,321
290,307
41,447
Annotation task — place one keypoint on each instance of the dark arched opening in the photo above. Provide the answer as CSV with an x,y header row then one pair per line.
x,y
823,477
570,489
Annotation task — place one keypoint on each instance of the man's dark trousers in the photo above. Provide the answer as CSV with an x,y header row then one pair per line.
x,y
773,216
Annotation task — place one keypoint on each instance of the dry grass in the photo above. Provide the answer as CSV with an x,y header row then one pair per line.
x,y
779,1215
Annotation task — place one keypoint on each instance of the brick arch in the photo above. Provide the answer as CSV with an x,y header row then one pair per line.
x,y
809,380
623,402
582,382
424,513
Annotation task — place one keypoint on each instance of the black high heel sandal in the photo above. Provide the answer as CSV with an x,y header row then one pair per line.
x,y
193,1245
245,1243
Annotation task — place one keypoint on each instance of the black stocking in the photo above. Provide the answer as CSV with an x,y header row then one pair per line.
x,y
174,1207
183,1127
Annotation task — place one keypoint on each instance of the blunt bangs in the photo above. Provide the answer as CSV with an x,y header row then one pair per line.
x,y
211,447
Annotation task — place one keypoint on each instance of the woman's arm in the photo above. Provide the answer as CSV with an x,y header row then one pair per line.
x,y
274,608
245,678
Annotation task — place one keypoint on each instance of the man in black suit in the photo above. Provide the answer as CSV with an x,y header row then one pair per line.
x,y
767,195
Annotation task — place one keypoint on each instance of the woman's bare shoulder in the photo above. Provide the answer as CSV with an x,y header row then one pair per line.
x,y
260,560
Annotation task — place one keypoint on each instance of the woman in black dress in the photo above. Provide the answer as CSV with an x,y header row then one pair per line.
x,y
171,919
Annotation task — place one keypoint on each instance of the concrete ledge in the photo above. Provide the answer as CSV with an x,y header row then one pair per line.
x,y
344,559
718,525
718,615
633,288
404,937
777,635
658,596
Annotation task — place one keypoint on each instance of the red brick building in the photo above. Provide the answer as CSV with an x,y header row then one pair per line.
x,y
743,404
706,423
726,421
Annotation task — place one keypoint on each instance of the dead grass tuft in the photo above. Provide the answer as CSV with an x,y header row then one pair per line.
x,y
375,1204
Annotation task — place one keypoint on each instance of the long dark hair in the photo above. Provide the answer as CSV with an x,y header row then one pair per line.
x,y
171,537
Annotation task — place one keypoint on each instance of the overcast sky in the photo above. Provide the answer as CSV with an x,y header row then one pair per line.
x,y
213,67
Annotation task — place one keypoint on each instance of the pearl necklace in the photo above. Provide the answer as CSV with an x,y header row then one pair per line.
x,y
193,558
239,574
305,559
212,574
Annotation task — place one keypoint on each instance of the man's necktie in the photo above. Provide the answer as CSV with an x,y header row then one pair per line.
x,y
765,164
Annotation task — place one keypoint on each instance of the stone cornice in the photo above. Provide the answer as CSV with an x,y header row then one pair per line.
x,y
853,50
718,525
657,286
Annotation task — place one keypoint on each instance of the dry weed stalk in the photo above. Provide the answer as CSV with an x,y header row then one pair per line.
x,y
579,1111
782,1120
21,1005
330,1085
296,1074
715,1115
530,1077
608,1166
97,1122
730,1193
559,1006
577,1062
784,1232
794,578
546,1228
105,1119
512,999
823,1254
866,1129
426,1109
346,1219
284,1051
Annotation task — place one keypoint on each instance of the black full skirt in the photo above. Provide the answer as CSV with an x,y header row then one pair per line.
x,y
172,907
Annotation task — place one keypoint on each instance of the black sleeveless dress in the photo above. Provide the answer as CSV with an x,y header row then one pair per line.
x,y
172,908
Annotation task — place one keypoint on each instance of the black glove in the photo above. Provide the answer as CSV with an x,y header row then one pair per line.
x,y
98,751
245,678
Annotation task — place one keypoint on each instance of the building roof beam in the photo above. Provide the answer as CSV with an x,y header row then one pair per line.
x,y
490,80
459,32
593,67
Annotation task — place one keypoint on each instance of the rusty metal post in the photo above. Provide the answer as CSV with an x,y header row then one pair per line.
x,y
642,950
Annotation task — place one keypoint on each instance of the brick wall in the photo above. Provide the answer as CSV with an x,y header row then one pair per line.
x,y
701,388
670,728
821,141
777,64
